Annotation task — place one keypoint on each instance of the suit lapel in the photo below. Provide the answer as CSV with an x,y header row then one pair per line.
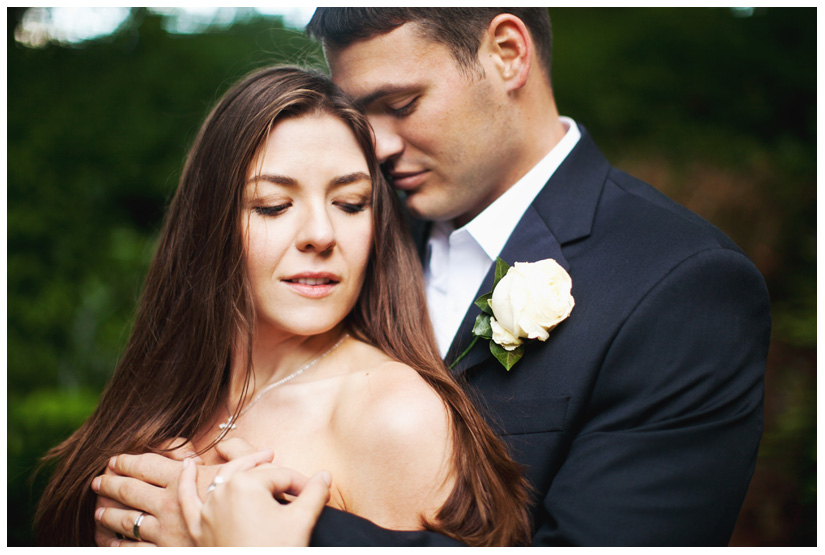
x,y
531,241
562,212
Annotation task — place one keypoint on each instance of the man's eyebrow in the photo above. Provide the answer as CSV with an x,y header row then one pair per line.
x,y
367,99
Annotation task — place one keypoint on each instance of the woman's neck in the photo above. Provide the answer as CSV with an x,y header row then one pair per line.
x,y
278,357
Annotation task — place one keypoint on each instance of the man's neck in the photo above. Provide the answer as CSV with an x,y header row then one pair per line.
x,y
541,130
537,137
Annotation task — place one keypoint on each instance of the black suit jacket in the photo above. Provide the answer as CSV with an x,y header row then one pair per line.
x,y
639,419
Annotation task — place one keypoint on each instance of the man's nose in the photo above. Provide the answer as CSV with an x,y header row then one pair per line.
x,y
388,143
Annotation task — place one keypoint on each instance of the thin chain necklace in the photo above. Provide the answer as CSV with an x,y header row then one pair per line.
x,y
230,422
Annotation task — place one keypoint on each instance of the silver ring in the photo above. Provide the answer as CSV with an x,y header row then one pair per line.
x,y
215,483
136,527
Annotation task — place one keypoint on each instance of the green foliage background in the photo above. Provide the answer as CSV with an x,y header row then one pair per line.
x,y
715,109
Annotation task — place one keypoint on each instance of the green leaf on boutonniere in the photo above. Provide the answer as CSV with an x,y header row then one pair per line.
x,y
501,270
483,301
484,305
505,357
482,327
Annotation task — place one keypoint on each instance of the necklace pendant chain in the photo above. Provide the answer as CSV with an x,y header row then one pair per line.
x,y
227,424
230,422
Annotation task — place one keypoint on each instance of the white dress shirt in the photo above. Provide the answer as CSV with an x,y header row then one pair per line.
x,y
460,258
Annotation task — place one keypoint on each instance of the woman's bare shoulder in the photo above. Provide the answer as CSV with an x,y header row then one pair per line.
x,y
390,397
395,443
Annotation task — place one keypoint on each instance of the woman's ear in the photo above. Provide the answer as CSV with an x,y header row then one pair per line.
x,y
511,49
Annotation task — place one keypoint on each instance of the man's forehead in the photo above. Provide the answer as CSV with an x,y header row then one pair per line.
x,y
403,37
385,63
398,43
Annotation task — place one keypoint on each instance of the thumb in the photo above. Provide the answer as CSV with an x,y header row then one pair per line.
x,y
178,448
245,463
313,498
234,448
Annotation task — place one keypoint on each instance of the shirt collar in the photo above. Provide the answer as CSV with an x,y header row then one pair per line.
x,y
493,226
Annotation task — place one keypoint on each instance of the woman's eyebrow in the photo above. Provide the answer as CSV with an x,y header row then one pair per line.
x,y
350,178
272,178
278,179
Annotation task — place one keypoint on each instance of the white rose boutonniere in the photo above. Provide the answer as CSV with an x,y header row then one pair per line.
x,y
528,300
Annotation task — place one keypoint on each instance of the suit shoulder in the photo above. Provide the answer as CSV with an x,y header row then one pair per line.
x,y
653,211
641,240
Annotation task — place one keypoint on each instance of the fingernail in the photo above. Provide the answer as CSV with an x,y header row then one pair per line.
x,y
112,462
96,484
99,514
326,476
186,462
115,543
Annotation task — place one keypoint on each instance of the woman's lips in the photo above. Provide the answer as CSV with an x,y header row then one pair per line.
x,y
312,285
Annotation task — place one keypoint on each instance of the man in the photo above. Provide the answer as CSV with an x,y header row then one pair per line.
x,y
638,420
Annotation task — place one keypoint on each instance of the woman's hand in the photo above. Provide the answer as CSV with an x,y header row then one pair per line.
x,y
240,509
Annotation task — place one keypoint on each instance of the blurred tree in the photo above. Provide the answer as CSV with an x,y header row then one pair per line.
x,y
97,135
715,109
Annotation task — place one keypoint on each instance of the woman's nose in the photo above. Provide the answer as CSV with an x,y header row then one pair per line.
x,y
316,233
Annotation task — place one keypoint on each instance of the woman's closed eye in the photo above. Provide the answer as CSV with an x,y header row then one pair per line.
x,y
352,207
271,210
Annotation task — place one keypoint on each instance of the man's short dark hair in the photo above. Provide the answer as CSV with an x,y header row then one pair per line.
x,y
460,29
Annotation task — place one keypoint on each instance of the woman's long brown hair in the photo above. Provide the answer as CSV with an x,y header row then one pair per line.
x,y
196,304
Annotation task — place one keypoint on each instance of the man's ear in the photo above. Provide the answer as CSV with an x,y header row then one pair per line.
x,y
511,48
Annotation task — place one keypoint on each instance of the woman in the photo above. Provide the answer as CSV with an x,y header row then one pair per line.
x,y
285,306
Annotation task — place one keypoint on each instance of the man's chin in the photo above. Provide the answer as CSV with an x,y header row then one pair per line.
x,y
423,208
414,204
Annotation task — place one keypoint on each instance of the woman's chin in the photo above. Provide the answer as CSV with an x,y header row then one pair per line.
x,y
302,329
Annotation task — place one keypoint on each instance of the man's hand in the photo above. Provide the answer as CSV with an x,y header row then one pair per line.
x,y
240,509
141,484
135,484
